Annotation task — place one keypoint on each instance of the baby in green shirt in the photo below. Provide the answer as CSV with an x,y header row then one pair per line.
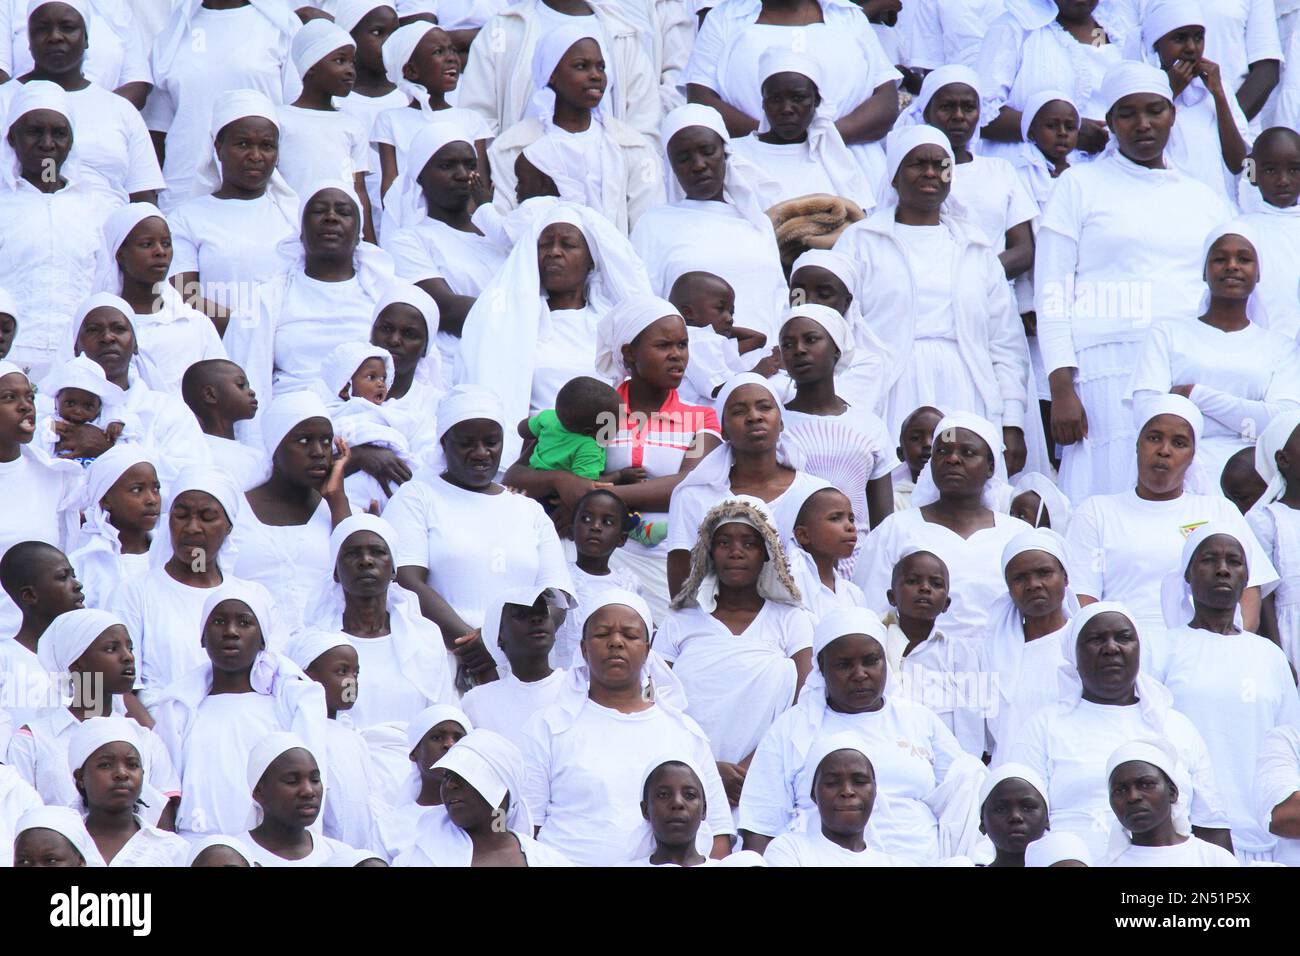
x,y
566,435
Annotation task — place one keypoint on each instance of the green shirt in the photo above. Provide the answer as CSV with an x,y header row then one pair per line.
x,y
559,449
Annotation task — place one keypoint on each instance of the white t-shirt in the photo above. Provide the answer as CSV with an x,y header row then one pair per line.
x,y
25,689
322,849
30,511
321,144
568,636
930,252
1277,234
173,339
385,693
113,59
506,705
316,317
994,197
565,349
164,619
1193,851
290,561
215,797
813,849
1034,689
690,503
365,109
151,847
794,170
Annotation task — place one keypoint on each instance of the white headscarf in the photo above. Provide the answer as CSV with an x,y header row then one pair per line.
x,y
116,228
429,371
95,732
551,47
209,840
405,204
1035,104
84,373
1050,499
525,596
421,724
835,325
466,403
744,181
1160,754
1164,17
1010,771
211,481
1128,77
316,40
264,753
36,95
226,108
1057,846
308,645
177,33
834,624
1272,440
70,635
286,412
936,80
642,841
996,489
397,52
621,325
1256,311
349,13
1196,480
344,360
374,267
1154,701
823,747
103,473
1176,602
898,144
66,822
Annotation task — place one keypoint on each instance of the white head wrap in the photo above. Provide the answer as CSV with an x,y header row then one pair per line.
x,y
226,108
209,840
1050,499
995,489
621,325
405,293
834,624
343,362
1154,701
374,267
93,733
307,645
286,412
116,228
66,822
1160,754
70,635
643,841
898,144
551,47
466,403
1128,77
421,724
264,753
211,481
1273,439
1010,771
397,52
1057,846
494,767
744,181
84,373
349,13
1164,17
405,204
822,747
936,80
1196,480
36,95
1176,602
316,40
523,597
102,474
1035,104
1256,311
835,325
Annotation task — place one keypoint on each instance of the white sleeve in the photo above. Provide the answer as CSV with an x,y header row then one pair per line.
x,y
1207,808
536,748
185,246
1263,41
768,798
719,809
684,516
144,170
1087,555
552,569
997,64
478,86
408,512
1029,747
710,42
925,39
1020,205
1277,771
677,27
135,59
1056,257
944,745
1153,371
1006,345
360,147
798,634
1264,525
1260,563
162,775
412,262
667,636
21,754
159,110
875,566
783,853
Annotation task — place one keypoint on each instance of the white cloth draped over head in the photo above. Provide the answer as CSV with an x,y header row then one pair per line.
x,y
834,624
621,325
715,469
1057,846
141,367
103,473
374,267
1255,310
308,645
1128,77
176,35
551,47
466,403
405,205
548,155
316,40
499,343
1035,104
66,822
522,596
226,108
35,95
825,144
84,373
344,361
1160,754
1163,18
1197,479
775,582
836,326
995,489
208,840
209,480
116,228
1050,499
936,80
743,182
349,13
95,732
83,8
1154,700
1272,440
286,412
8,304
264,753
70,635
1176,602
397,52
898,145
421,724
828,744
642,843
1011,771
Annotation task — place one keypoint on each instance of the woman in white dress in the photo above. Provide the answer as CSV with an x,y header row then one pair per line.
x,y
118,63
1237,371
945,311
1121,546
288,792
1105,701
674,807
1275,519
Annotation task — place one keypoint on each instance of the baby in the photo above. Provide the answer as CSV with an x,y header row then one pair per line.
x,y
708,303
566,436
83,395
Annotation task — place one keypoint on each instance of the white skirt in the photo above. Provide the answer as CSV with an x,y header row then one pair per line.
x,y
935,375
1105,462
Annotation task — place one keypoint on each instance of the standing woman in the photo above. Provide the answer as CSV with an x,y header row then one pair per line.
x,y
229,225
245,47
114,149
714,221
135,259
1140,532
723,71
946,318
1117,252
49,264
119,61
1235,369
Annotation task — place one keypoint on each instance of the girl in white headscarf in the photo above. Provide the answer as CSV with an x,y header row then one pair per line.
x,y
1037,501
213,717
714,220
1238,371
1150,797
1121,546
673,805
287,785
49,265
534,326
59,833
190,78
135,260
1205,650
429,736
1105,700
926,809
935,293
1275,519
229,224
738,637
487,822
120,508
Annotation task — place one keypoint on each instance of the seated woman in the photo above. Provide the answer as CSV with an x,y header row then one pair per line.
x,y
1104,701
287,793
135,260
1026,627
956,514
535,325
282,541
53,837
1205,658
49,266
615,166
1234,368
1141,532
487,823
399,650
1013,812
714,221
585,753
212,717
674,807
842,779
1148,787
917,757
429,736
108,770
405,323
737,635
797,141
952,333
227,232
120,507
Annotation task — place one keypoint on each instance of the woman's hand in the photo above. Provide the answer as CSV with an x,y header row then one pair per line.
x,y
1093,136
475,658
333,486
1181,74
1069,419
382,464
1013,449
1210,75
733,780
80,441
1183,390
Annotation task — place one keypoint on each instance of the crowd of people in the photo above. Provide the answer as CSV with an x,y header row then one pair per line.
x,y
641,432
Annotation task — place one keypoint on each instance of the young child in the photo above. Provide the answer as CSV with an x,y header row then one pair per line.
x,y
825,534
1275,519
1274,171
121,505
1037,501
519,624
601,524
429,735
317,139
930,668
673,807
218,393
708,304
915,440
566,436
83,395
1239,482
8,322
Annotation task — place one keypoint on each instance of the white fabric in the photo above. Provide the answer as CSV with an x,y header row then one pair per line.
x,y
1277,240
814,849
506,705
1276,777
1193,851
290,561
948,676
322,851
1277,528
319,144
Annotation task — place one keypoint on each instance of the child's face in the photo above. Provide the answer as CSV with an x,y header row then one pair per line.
x,y
370,33
917,441
433,745
826,528
134,500
78,406
338,671
236,399
738,554
434,63
1277,170
1185,43
526,632
920,588
1026,505
1055,130
598,527
336,74
8,329
371,381
710,303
